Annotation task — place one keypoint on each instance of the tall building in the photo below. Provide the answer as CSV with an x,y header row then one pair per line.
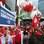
x,y
11,4
41,6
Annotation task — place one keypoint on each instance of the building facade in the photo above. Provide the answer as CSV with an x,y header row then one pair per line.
x,y
11,4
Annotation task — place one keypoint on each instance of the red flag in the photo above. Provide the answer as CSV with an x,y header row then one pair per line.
x,y
28,7
35,21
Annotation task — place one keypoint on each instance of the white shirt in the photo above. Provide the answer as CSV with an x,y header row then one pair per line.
x,y
21,37
3,40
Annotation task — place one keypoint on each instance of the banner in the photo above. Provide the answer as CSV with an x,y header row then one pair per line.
x,y
7,17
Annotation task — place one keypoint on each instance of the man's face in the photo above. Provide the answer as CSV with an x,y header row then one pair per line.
x,y
0,32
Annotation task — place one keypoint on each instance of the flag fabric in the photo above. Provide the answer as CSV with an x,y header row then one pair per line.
x,y
35,22
28,7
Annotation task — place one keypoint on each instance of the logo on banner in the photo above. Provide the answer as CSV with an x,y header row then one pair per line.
x,y
8,21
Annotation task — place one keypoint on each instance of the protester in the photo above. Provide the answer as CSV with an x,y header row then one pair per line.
x,y
18,35
2,37
13,35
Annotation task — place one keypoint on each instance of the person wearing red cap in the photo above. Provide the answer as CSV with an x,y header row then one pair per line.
x,y
4,30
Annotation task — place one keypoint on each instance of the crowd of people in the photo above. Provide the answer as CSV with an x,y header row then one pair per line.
x,y
33,35
9,35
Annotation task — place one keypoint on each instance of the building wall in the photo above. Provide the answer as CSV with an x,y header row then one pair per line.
x,y
11,4
41,6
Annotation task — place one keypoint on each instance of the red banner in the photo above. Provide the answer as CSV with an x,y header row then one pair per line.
x,y
35,21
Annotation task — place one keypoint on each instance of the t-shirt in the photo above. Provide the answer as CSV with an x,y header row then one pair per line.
x,y
18,38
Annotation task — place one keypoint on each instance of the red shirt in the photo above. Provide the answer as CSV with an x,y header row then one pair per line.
x,y
18,38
